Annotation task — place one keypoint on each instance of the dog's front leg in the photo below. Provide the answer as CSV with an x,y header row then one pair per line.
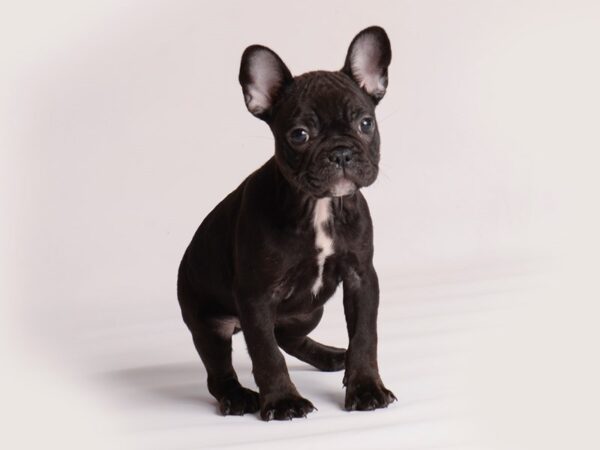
x,y
279,398
364,388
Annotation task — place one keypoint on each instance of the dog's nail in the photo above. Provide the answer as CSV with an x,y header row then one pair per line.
x,y
225,407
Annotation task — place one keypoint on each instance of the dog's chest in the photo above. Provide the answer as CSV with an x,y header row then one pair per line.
x,y
309,268
323,239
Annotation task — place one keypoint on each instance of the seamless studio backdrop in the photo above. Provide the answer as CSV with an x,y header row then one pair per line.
x,y
123,124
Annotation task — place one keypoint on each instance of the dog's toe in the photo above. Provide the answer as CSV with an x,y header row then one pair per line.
x,y
239,401
368,396
286,408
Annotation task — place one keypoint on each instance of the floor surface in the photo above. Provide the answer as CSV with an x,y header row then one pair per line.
x,y
148,369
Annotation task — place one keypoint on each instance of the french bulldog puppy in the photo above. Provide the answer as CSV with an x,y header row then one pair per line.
x,y
267,258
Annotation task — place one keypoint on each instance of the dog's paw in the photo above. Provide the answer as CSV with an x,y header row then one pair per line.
x,y
286,407
334,360
366,396
239,401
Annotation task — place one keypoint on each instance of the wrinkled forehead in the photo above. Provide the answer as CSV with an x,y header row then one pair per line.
x,y
325,97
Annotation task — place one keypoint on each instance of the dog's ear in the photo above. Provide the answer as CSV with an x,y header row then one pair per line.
x,y
367,61
263,75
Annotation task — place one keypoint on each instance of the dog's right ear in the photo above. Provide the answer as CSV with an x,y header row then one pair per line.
x,y
263,75
367,61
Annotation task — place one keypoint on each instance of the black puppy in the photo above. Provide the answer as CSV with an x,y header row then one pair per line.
x,y
268,257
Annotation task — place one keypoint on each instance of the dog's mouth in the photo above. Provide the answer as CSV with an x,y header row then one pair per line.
x,y
325,178
339,183
343,187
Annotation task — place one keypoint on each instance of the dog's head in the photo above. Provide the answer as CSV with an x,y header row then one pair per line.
x,y
326,136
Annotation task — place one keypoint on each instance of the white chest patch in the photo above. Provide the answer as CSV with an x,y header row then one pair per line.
x,y
323,241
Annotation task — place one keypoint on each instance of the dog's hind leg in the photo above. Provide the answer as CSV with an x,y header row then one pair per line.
x,y
212,339
323,357
292,338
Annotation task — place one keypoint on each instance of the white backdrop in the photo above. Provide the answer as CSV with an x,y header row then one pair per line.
x,y
123,124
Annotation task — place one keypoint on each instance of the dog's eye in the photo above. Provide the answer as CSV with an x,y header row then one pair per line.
x,y
299,136
366,125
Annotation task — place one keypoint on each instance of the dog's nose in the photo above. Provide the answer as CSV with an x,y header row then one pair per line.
x,y
341,156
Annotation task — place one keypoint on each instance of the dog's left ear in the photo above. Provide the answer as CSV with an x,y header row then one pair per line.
x,y
263,76
367,61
